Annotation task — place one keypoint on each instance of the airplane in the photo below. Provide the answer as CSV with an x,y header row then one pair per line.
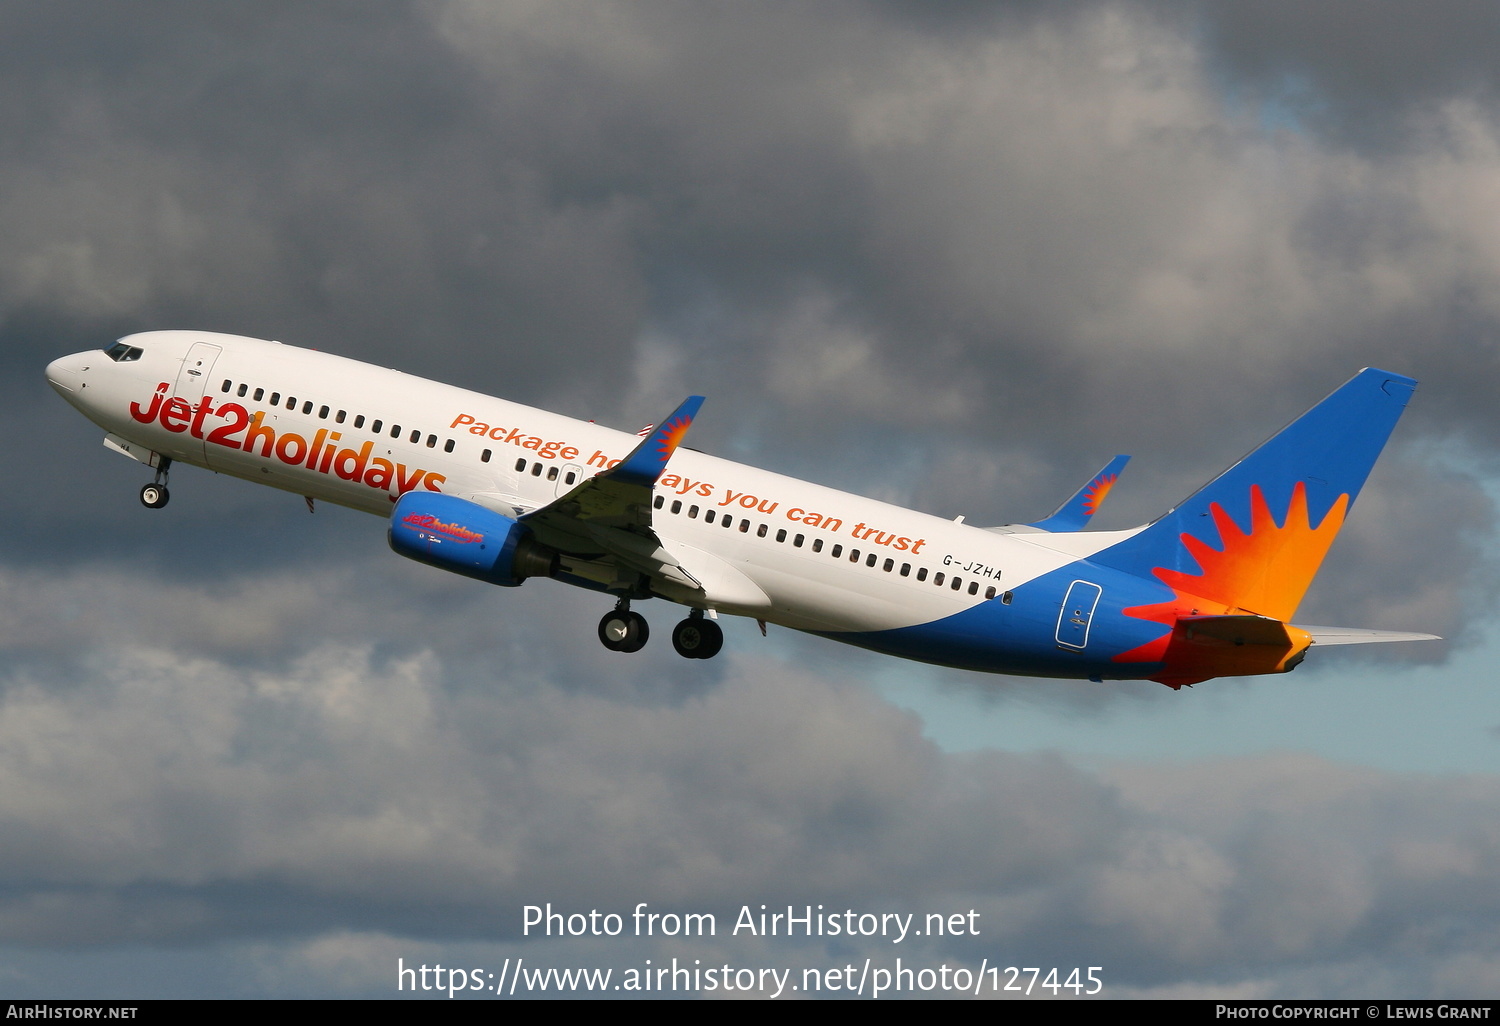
x,y
503,493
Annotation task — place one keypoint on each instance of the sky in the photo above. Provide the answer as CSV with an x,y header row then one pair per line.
x,y
952,255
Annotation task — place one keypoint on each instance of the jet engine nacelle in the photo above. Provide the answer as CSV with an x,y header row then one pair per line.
x,y
465,538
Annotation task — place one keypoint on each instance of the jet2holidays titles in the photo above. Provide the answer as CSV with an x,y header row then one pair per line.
x,y
241,429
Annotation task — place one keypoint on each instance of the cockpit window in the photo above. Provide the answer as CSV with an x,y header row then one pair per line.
x,y
121,353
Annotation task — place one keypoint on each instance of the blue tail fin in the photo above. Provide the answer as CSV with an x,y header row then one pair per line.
x,y
1253,538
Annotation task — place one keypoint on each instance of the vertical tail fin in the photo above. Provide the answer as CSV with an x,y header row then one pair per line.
x,y
1251,540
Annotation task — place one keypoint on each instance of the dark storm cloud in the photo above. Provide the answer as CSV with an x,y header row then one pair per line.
x,y
1014,205
324,175
1364,70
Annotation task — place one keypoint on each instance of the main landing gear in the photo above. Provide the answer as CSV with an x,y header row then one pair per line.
x,y
155,494
624,631
697,637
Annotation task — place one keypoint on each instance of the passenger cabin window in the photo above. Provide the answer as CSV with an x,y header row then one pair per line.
x,y
338,418
520,466
359,421
484,457
227,385
307,407
323,413
659,502
448,445
242,390
259,394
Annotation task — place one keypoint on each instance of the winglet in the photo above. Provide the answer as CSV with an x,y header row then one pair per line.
x,y
1075,514
647,461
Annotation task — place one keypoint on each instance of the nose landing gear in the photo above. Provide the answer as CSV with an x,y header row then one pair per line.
x,y
155,494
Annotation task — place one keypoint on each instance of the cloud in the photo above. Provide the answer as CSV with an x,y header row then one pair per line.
x,y
165,799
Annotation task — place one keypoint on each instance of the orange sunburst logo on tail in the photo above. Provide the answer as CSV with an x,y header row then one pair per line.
x,y
1097,491
1263,571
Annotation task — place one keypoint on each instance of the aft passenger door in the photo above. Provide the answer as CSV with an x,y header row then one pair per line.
x,y
1076,614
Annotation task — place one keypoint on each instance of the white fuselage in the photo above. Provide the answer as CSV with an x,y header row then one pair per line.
x,y
342,431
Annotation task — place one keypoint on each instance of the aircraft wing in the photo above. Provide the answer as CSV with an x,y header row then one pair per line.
x,y
609,516
1075,514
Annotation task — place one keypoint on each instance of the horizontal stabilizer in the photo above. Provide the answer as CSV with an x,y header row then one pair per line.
x,y
1237,645
1361,636
1234,630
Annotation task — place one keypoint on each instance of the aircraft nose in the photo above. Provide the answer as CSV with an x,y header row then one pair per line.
x,y
65,374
